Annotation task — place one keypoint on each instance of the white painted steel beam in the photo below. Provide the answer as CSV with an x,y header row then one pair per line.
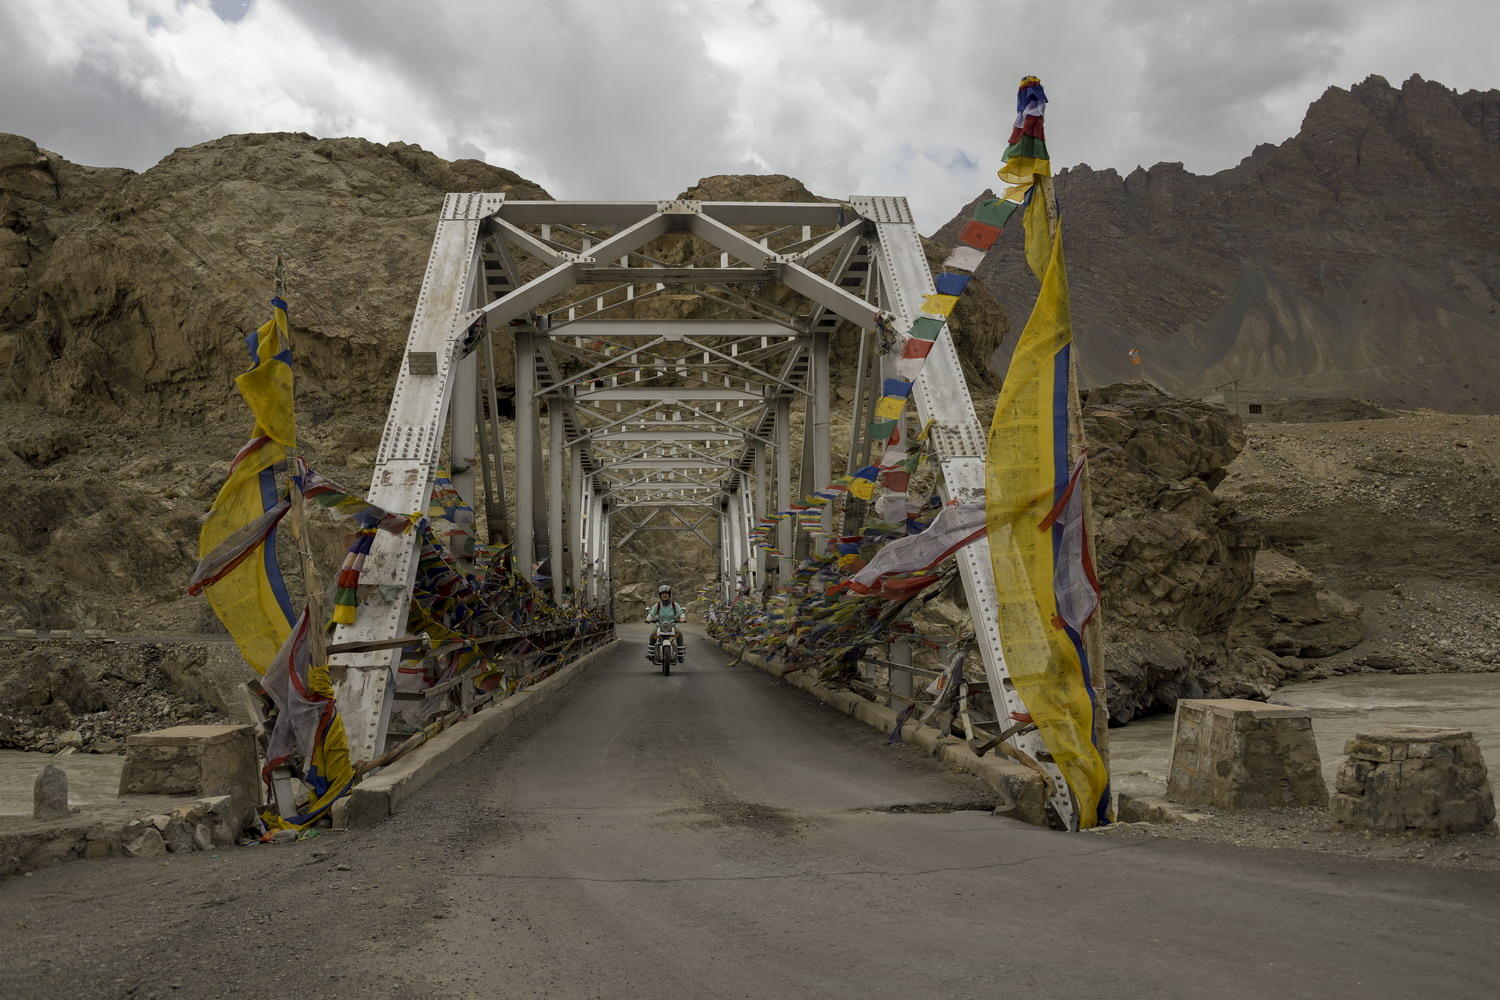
x,y
851,307
604,329
655,433
647,394
408,455
557,457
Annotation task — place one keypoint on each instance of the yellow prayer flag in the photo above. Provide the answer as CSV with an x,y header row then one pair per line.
x,y
254,610
1027,439
939,305
889,407
267,387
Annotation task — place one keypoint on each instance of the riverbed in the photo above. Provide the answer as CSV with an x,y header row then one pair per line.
x,y
1140,753
93,779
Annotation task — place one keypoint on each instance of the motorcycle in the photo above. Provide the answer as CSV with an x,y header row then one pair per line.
x,y
664,646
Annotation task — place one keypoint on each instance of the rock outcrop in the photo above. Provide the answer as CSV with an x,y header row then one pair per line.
x,y
136,288
1185,614
1354,259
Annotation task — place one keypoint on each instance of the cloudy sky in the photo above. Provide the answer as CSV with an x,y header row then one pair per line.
x,y
639,98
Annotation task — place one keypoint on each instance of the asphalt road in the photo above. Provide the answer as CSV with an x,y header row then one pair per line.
x,y
717,834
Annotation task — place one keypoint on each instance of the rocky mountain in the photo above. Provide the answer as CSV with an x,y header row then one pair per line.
x,y
1358,258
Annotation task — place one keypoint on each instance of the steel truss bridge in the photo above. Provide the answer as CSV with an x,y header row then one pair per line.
x,y
629,420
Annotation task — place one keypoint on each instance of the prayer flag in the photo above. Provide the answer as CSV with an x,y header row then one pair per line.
x,y
939,305
248,594
978,235
952,284
863,486
898,387
1026,479
890,407
926,328
267,387
995,212
956,525
964,259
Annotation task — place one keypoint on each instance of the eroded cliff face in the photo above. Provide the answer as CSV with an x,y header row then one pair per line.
x,y
1357,258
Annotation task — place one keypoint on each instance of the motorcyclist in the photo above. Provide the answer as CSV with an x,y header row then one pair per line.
x,y
665,610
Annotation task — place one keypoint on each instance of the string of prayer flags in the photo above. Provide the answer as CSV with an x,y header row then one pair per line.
x,y
331,496
1025,160
346,593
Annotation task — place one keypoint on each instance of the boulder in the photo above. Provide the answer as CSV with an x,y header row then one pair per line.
x,y
50,794
145,842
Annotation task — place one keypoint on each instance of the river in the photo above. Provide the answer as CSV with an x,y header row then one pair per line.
x,y
1140,753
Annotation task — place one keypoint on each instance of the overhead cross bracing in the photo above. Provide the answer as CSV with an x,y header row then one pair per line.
x,y
661,353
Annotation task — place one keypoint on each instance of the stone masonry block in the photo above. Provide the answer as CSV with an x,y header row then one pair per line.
x,y
195,760
1238,754
1414,779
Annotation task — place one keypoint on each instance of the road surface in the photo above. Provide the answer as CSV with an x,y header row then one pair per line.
x,y
717,834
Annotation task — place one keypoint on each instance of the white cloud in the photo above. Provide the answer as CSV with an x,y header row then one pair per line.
x,y
639,98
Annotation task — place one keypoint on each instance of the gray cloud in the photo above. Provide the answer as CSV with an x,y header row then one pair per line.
x,y
84,114
640,98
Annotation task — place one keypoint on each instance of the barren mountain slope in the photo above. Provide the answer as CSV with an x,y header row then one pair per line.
x,y
1398,513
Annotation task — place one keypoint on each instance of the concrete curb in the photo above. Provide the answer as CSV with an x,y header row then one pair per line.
x,y
1020,792
381,795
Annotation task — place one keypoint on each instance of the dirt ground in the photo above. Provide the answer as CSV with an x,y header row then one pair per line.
x,y
1399,514
1310,829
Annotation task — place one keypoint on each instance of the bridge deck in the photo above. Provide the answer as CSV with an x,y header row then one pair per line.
x,y
711,834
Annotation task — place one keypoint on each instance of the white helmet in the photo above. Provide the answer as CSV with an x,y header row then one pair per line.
x,y
664,589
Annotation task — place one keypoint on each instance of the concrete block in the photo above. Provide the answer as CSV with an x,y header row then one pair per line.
x,y
1237,754
1414,779
196,760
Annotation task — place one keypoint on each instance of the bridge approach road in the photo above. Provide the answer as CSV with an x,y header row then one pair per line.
x,y
718,834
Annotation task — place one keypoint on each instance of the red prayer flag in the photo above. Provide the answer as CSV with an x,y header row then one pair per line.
x,y
979,235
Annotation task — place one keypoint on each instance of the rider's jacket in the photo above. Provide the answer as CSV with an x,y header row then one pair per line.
x,y
669,612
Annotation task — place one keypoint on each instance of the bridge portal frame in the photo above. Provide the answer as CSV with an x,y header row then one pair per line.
x,y
714,397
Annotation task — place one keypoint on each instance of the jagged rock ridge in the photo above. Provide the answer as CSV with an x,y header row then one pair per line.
x,y
1357,258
